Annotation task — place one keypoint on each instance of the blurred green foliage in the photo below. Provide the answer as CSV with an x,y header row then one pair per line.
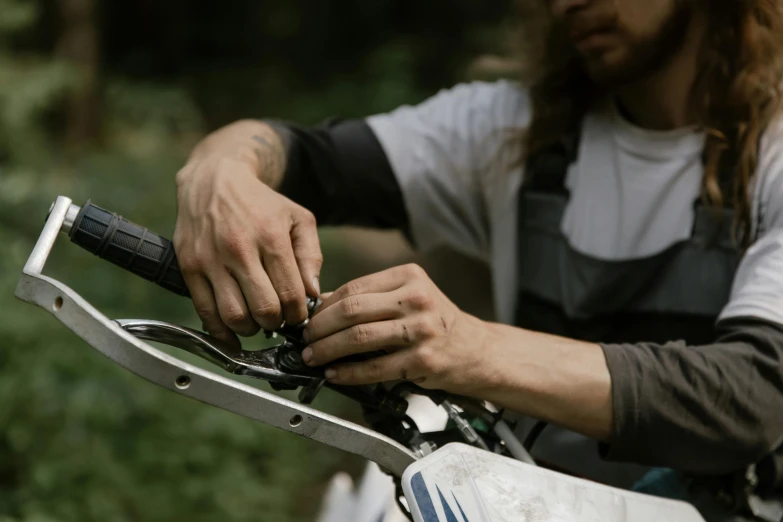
x,y
82,439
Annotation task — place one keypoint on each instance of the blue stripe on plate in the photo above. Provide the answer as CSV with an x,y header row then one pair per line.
x,y
423,499
450,516
464,516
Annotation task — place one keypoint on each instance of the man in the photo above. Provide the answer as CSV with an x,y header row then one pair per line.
x,y
628,199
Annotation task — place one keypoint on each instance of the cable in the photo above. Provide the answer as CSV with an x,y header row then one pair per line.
x,y
516,448
467,431
532,437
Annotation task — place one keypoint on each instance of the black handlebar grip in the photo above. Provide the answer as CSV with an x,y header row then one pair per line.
x,y
129,246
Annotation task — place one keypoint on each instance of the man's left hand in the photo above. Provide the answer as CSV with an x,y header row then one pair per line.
x,y
400,311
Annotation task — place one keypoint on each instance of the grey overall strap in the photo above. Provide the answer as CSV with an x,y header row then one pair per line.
x,y
546,169
564,292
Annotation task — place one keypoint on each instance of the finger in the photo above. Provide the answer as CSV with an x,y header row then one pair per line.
x,y
231,304
380,369
386,281
260,296
351,311
361,338
206,307
307,251
283,271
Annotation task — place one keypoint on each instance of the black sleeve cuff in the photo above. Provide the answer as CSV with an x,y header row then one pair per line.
x,y
340,172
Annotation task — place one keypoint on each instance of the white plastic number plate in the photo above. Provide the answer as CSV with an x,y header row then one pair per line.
x,y
459,483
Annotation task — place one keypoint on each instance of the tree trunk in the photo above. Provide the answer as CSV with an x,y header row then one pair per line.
x,y
79,46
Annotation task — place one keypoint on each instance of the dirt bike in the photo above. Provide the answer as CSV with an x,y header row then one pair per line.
x,y
473,469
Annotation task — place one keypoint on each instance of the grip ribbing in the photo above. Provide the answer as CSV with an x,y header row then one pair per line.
x,y
129,246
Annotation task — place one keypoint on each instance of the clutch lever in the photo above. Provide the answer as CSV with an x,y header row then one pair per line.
x,y
261,364
273,365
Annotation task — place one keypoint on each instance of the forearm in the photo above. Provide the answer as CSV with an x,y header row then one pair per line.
x,y
717,406
338,171
262,144
559,380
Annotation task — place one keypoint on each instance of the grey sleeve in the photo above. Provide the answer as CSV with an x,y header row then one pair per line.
x,y
703,409
448,154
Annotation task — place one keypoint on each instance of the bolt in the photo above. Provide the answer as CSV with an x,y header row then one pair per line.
x,y
427,447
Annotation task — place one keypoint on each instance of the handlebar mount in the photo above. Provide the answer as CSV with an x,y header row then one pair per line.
x,y
394,442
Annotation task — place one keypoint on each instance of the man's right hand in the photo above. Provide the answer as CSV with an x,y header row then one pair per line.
x,y
248,254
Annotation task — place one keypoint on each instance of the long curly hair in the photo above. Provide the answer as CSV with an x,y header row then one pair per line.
x,y
737,92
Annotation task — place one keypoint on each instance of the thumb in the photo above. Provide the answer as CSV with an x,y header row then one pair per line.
x,y
307,251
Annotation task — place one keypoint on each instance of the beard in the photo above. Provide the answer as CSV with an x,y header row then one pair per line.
x,y
637,59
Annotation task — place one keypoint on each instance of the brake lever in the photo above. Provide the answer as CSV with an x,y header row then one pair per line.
x,y
281,366
261,364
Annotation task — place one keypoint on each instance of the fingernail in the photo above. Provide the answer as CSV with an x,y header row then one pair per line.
x,y
316,286
307,355
306,335
330,373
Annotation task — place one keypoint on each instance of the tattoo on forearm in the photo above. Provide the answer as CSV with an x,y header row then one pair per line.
x,y
271,157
